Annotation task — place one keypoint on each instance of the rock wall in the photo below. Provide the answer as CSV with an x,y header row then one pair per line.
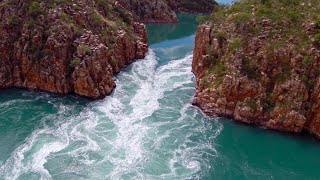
x,y
156,11
67,47
254,72
164,11
192,6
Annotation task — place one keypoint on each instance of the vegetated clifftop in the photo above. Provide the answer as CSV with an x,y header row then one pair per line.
x,y
67,46
164,11
147,11
193,6
258,62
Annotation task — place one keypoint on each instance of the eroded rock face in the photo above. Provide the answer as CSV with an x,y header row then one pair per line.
x,y
74,47
242,75
194,7
164,11
155,11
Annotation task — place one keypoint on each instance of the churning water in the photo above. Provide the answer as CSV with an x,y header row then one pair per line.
x,y
147,129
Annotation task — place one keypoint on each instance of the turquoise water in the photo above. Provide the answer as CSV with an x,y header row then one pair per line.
x,y
147,129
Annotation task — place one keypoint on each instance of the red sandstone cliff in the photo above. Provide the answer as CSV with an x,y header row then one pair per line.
x,y
155,11
67,47
260,69
164,11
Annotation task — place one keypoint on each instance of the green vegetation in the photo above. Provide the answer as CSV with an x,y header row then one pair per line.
x,y
221,37
34,9
63,2
220,70
123,14
250,69
268,104
215,66
279,22
291,13
274,43
196,6
241,17
252,104
308,60
75,62
77,28
14,21
317,39
285,72
113,62
217,15
235,44
85,49
96,18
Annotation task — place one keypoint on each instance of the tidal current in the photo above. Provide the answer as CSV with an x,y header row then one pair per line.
x,y
147,129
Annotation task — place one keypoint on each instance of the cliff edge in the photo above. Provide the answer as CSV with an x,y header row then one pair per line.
x,y
259,63
164,11
67,46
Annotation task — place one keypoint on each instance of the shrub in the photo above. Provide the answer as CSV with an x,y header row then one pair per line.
x,y
252,104
268,104
317,23
265,1
241,17
113,62
34,9
124,16
285,73
250,69
75,62
221,37
317,38
14,21
219,69
102,3
294,16
203,19
97,19
307,81
290,2
30,24
85,49
62,2
308,60
235,44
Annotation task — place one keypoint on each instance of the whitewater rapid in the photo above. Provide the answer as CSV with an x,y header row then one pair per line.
x,y
147,129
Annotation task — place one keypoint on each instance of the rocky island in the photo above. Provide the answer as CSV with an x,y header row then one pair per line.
x,y
258,62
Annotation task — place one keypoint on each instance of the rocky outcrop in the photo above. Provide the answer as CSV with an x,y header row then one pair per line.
x,y
156,11
259,69
191,6
67,47
164,11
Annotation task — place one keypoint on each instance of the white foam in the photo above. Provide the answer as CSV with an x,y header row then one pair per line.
x,y
126,110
